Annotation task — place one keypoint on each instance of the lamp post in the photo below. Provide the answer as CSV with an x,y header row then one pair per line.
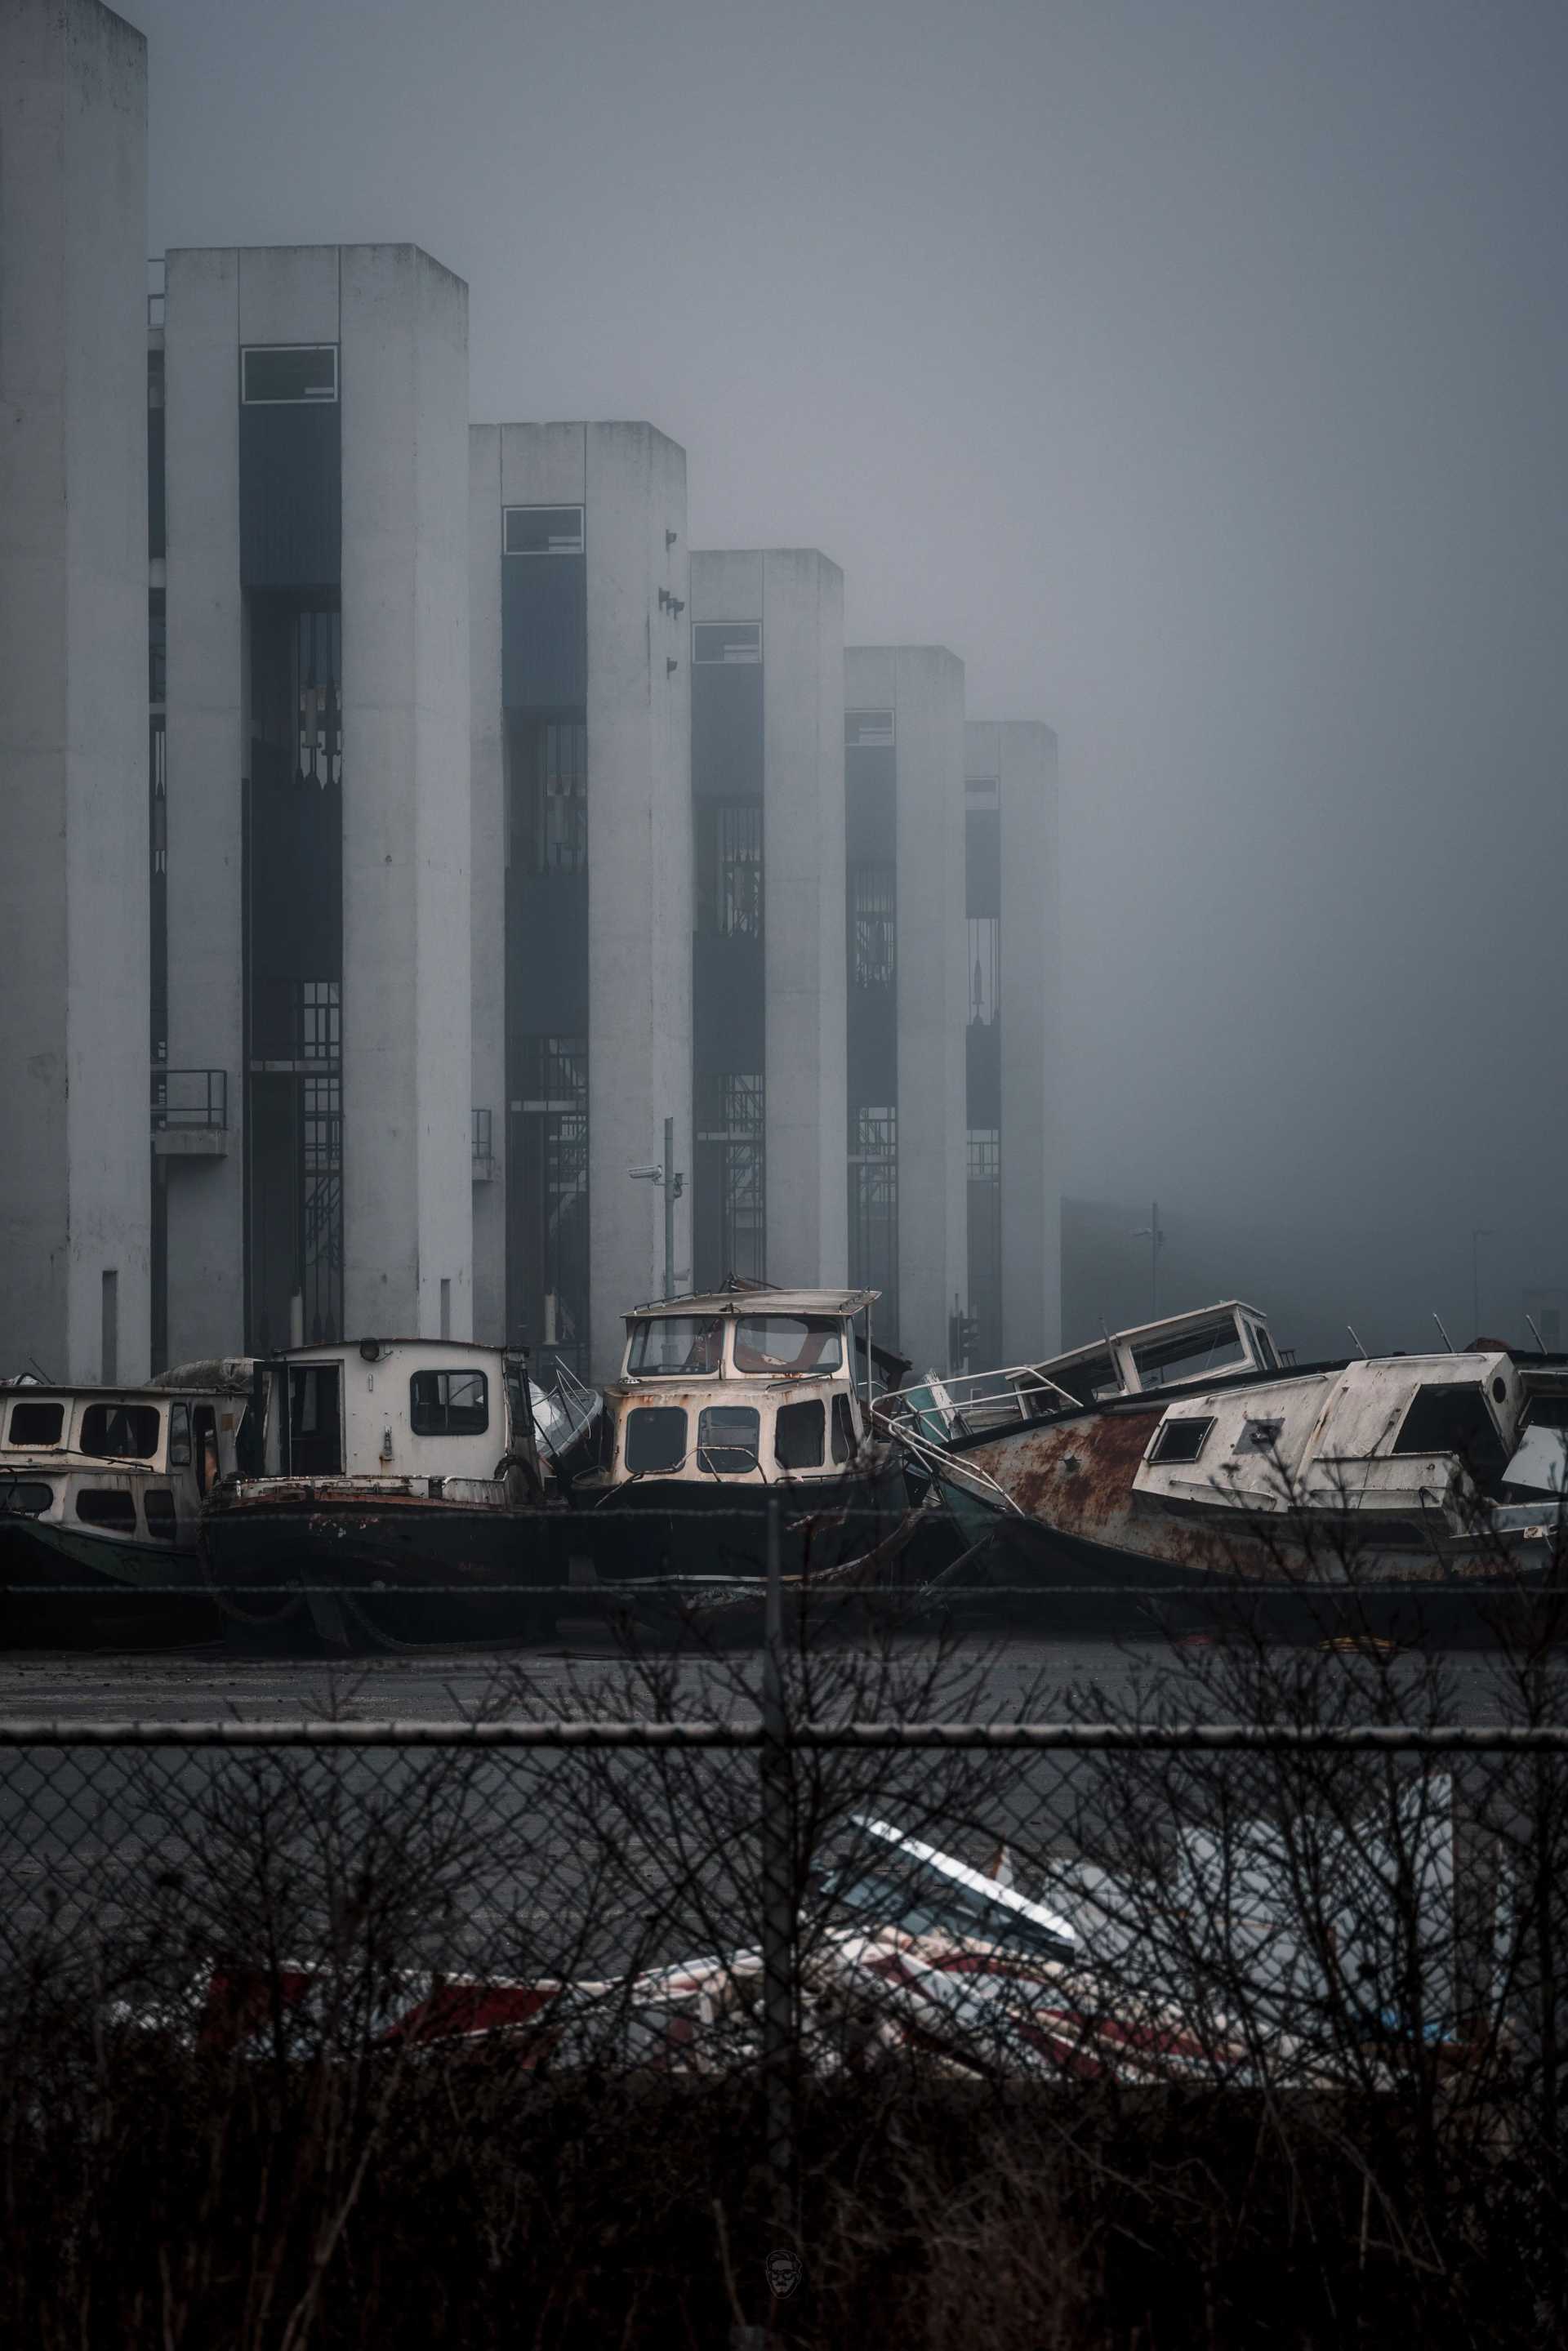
x,y
1152,1233
674,1185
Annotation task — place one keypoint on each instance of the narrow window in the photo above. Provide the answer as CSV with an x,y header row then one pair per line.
x,y
449,1404
445,1307
315,1421
727,641
843,1429
542,530
871,898
867,730
179,1436
159,1504
1181,1440
799,1433
288,372
109,1333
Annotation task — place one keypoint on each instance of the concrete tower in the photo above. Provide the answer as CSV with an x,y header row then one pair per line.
x,y
1014,1136
581,718
316,425
75,1298
903,797
768,964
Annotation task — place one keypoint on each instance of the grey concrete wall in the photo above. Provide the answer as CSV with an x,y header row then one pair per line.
x,y
74,1151
408,1211
487,872
206,754
1021,755
631,481
924,686
798,597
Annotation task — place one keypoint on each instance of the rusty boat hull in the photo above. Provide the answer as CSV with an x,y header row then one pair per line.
x,y
327,1568
1074,1547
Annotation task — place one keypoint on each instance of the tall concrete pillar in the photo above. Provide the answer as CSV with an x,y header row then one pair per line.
x,y
767,737
75,1297
904,769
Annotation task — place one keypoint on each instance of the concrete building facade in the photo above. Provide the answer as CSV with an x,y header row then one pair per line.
x,y
75,1275
904,834
315,427
581,890
1012,1091
767,949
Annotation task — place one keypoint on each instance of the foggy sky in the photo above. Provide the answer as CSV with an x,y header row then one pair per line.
x,y
1198,370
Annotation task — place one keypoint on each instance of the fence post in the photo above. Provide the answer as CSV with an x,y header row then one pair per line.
x,y
778,1899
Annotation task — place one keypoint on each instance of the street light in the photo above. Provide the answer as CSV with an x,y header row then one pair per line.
x,y
1152,1233
673,1190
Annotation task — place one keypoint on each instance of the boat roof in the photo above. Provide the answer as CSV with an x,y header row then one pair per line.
x,y
1166,1326
758,1301
373,1349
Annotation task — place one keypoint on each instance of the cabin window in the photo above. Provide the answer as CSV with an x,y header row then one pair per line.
x,y
315,1421
668,1346
655,1438
1261,1436
1089,1383
449,1404
100,1505
1453,1419
179,1436
1189,1355
788,1343
121,1431
728,1436
1263,1348
36,1423
1181,1440
25,1498
158,1505
843,1429
799,1433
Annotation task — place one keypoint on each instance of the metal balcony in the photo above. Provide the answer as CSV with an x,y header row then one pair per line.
x,y
190,1114
484,1156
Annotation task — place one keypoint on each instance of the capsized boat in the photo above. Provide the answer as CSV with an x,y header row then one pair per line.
x,y
729,1399
1183,1458
387,1466
103,1488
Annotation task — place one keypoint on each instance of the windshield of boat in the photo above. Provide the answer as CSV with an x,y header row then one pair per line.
x,y
676,1346
775,1344
1190,1355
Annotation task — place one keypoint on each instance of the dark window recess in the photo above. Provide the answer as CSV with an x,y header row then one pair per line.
x,y
1215,1347
799,1433
121,1431
731,1200
728,1436
543,530
864,729
101,1506
315,1421
36,1423
984,970
158,1505
1089,1383
1261,1436
729,869
25,1497
547,1199
874,1205
449,1404
156,546
871,898
1452,1420
157,645
550,798
727,641
1181,1440
655,1438
291,372
843,1429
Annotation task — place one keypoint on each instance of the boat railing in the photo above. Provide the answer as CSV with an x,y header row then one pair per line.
x,y
902,1419
969,1402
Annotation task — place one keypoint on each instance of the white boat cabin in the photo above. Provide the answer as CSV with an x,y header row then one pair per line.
x,y
1403,1436
760,1387
121,1465
392,1410
1210,1343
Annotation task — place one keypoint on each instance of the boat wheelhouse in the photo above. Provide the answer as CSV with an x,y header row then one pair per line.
x,y
389,1467
103,1488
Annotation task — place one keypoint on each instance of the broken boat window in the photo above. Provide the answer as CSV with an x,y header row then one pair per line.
x,y
798,1434
670,1346
1189,1355
1089,1383
1261,1436
728,1436
788,1343
1263,1348
655,1438
36,1423
127,1431
1181,1440
158,1505
26,1497
449,1404
1452,1419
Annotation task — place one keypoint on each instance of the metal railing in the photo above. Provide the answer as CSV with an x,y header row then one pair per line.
x,y
483,1152
190,1098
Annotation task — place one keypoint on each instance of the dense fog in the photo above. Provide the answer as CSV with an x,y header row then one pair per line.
x,y
1195,369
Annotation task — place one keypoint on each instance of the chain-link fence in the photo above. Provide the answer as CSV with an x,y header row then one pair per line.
x,y
789,1989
